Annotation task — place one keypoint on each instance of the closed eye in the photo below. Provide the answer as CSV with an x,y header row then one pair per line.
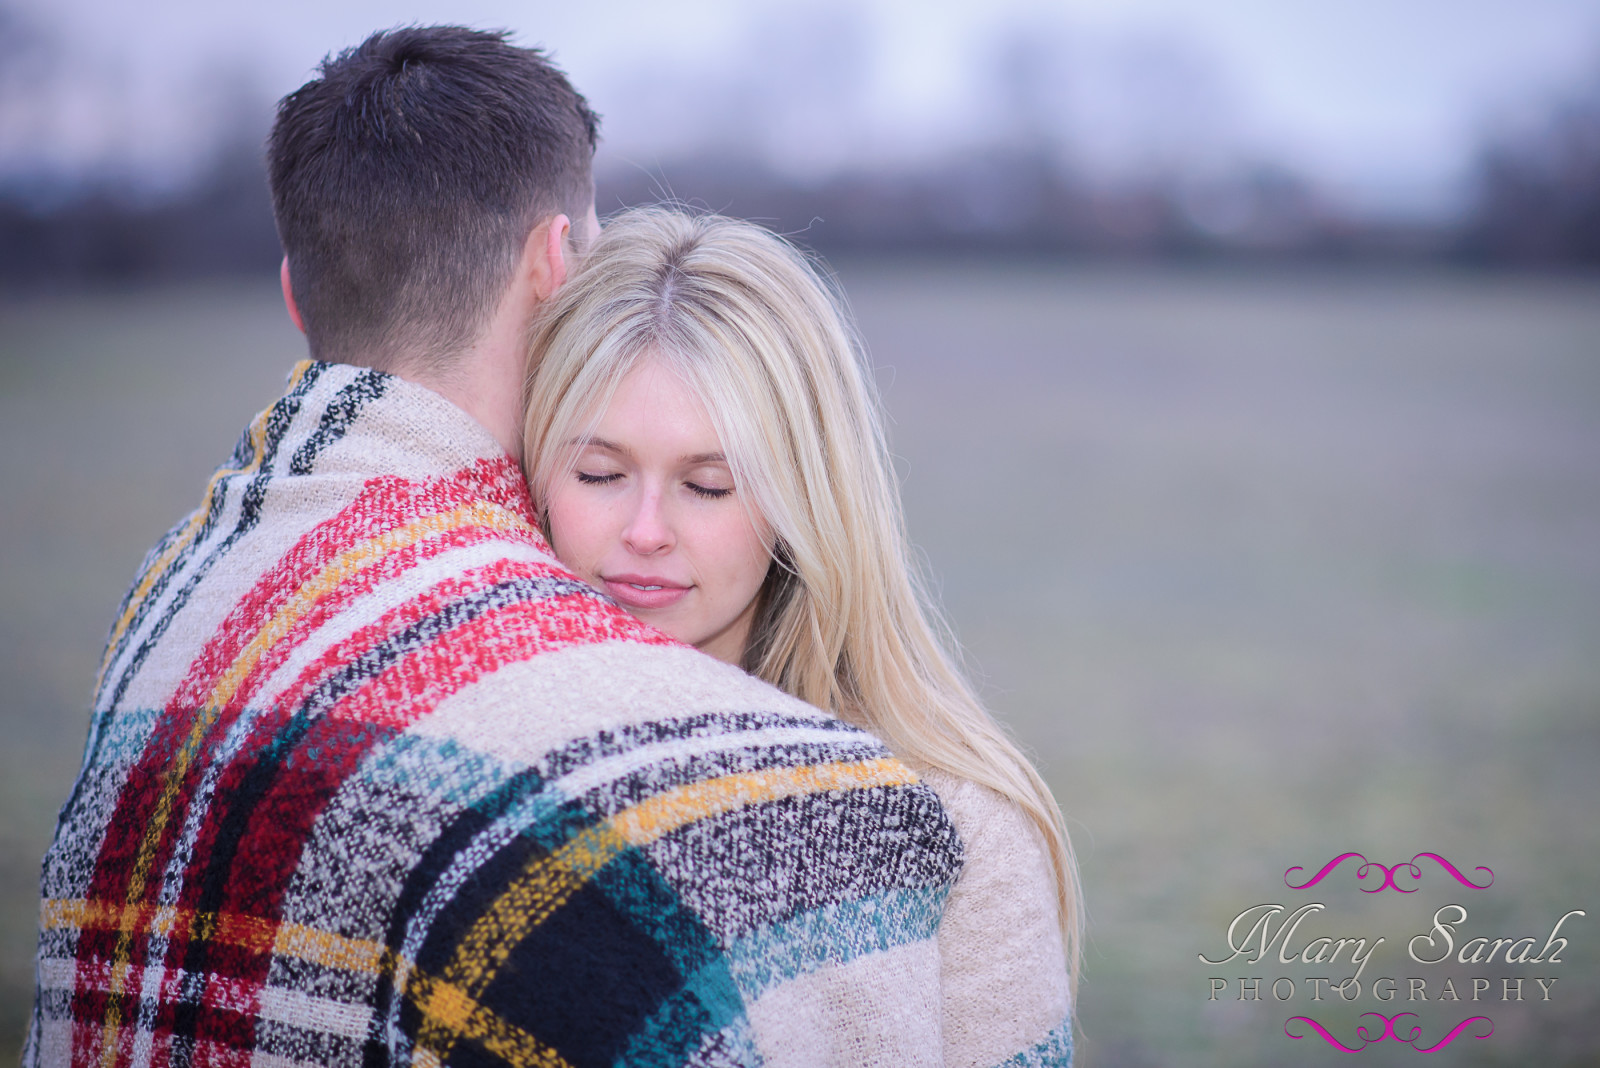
x,y
707,491
596,480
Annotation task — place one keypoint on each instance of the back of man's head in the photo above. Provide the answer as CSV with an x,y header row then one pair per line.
x,y
406,179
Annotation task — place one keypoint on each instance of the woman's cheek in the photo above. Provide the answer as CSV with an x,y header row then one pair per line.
x,y
569,536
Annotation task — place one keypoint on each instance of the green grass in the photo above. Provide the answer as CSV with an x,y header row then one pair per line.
x,y
1262,567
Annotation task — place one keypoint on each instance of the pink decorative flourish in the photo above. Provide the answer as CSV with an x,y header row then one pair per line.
x,y
1451,1037
1388,876
1323,1031
1326,868
1366,1037
1410,867
1388,1028
1462,879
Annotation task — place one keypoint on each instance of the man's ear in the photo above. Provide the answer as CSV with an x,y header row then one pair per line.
x,y
546,256
288,297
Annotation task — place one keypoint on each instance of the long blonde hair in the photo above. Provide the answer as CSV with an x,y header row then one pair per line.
x,y
843,620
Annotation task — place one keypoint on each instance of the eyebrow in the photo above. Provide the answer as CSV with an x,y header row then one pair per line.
x,y
622,450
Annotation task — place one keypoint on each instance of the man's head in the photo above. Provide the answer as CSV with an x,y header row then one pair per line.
x,y
406,181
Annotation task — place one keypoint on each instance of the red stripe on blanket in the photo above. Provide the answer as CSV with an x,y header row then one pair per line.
x,y
137,802
281,819
359,740
515,633
369,581
397,619
384,504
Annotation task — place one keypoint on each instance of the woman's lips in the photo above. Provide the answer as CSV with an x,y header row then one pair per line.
x,y
643,591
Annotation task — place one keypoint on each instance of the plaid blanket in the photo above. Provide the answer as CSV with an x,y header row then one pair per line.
x,y
372,780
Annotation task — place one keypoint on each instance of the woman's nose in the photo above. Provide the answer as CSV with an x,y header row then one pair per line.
x,y
648,530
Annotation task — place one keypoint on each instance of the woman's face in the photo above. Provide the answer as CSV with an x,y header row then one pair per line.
x,y
650,515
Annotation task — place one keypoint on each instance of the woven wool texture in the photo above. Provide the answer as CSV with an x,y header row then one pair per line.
x,y
371,780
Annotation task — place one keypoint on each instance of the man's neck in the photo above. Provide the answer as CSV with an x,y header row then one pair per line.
x,y
486,380
486,383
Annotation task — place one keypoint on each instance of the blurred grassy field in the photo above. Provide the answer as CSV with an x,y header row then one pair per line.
x,y
1264,567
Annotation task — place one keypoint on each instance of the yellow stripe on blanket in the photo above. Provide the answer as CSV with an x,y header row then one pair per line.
x,y
548,881
328,949
451,1006
665,813
295,940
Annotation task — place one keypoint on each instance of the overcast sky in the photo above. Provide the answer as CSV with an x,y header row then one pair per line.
x,y
1379,101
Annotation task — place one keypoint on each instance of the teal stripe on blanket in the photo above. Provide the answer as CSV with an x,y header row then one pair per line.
x,y
439,767
1052,1051
833,934
708,1010
125,734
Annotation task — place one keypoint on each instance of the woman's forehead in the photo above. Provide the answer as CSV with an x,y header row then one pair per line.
x,y
655,412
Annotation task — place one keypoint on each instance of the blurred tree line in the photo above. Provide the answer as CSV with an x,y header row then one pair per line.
x,y
1535,198
1538,190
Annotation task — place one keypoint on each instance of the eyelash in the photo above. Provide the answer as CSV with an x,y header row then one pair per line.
x,y
707,492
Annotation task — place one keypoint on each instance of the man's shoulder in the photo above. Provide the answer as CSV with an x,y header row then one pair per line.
x,y
352,488
373,753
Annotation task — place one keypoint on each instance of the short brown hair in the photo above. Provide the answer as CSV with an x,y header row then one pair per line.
x,y
406,178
